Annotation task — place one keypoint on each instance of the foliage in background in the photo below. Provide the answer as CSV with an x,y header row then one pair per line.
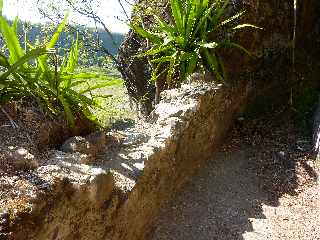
x,y
115,108
98,40
184,44
91,41
27,73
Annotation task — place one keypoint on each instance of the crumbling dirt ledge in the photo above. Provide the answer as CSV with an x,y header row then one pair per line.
x,y
202,116
120,195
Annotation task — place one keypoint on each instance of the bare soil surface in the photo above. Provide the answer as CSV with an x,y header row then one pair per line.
x,y
24,129
262,185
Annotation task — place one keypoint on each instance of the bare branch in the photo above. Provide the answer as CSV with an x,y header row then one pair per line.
x,y
123,9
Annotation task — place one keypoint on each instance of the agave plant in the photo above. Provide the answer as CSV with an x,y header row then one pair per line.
x,y
182,46
51,86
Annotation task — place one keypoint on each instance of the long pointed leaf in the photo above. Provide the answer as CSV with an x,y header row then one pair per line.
x,y
73,55
202,20
42,61
191,18
213,64
67,110
246,25
192,62
171,69
4,62
219,11
231,19
177,12
211,45
161,59
94,87
155,50
235,45
54,39
146,34
11,40
1,7
30,55
163,26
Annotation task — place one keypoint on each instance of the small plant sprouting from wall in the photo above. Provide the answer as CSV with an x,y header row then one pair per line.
x,y
184,45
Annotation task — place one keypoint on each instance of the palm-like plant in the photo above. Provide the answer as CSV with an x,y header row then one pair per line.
x,y
52,87
182,46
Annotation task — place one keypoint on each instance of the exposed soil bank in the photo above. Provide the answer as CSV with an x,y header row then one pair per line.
x,y
120,193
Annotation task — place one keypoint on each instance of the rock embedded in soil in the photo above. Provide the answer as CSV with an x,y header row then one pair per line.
x,y
58,157
21,159
76,144
91,145
97,140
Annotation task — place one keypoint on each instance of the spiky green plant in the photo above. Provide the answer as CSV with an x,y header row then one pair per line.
x,y
51,86
183,45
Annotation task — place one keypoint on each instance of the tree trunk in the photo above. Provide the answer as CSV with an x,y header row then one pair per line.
x,y
136,73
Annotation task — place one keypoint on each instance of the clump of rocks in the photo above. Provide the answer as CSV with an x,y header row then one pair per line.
x,y
88,148
18,159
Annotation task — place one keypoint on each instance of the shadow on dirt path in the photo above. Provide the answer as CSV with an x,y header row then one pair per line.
x,y
217,204
228,198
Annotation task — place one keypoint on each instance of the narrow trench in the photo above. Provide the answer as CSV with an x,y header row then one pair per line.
x,y
248,190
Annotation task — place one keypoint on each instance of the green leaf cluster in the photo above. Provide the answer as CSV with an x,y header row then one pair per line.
x,y
30,74
183,46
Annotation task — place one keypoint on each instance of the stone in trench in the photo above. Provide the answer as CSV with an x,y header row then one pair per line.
x,y
115,139
76,144
22,159
97,141
59,158
89,146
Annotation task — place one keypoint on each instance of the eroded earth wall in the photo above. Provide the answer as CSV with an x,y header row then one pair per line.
x,y
120,195
199,118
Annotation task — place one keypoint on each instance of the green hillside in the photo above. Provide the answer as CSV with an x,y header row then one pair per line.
x,y
92,53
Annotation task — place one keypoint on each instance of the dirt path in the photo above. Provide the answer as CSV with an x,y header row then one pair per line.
x,y
228,200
